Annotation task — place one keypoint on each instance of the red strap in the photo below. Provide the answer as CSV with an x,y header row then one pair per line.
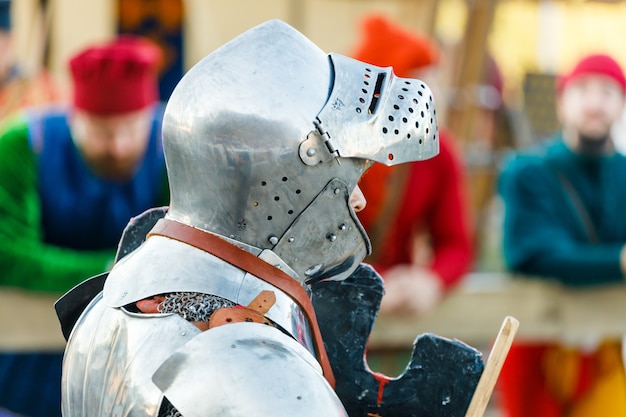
x,y
248,262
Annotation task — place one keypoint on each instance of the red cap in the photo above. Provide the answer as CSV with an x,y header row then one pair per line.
x,y
384,43
597,64
116,77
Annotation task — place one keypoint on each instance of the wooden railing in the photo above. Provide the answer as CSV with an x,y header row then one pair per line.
x,y
28,321
472,313
546,310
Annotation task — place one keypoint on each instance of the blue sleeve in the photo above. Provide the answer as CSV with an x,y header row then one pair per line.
x,y
541,236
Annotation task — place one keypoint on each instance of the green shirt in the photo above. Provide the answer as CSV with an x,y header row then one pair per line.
x,y
27,261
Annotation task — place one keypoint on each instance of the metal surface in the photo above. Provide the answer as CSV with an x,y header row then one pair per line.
x,y
110,358
162,265
246,369
315,232
372,114
255,131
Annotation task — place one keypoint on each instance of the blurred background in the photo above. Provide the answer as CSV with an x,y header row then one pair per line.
x,y
494,87
494,90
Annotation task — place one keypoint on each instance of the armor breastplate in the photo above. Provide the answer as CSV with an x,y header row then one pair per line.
x,y
127,364
149,271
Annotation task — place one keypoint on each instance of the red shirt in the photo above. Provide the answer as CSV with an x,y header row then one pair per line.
x,y
434,201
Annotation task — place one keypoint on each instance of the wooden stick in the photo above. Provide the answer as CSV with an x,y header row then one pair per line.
x,y
490,374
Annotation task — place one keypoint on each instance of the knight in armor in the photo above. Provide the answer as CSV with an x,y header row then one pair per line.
x,y
265,141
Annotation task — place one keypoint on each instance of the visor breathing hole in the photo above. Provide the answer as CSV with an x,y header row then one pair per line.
x,y
377,88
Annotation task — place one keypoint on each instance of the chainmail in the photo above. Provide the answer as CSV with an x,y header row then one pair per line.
x,y
193,306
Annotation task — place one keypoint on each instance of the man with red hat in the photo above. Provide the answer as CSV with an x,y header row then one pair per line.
x,y
70,180
564,204
417,215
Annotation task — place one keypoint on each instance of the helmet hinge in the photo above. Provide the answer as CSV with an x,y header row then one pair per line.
x,y
318,147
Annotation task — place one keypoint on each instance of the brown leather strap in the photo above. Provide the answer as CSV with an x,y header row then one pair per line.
x,y
248,262
253,312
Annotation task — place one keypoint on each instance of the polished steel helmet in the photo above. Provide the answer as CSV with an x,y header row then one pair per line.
x,y
266,138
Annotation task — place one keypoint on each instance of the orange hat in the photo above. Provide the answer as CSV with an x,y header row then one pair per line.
x,y
116,77
385,43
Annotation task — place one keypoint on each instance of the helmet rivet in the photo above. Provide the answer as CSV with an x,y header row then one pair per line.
x,y
331,236
337,190
273,240
342,227
291,240
310,152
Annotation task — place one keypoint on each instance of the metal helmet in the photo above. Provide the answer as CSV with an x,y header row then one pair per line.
x,y
266,138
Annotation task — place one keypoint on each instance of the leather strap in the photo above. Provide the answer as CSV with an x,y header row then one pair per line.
x,y
246,261
253,312
579,206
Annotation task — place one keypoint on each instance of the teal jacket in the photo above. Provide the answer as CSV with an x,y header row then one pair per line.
x,y
565,214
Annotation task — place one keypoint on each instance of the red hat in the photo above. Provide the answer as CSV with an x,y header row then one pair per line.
x,y
597,64
385,43
116,77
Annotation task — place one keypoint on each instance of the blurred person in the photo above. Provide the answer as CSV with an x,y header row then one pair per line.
x,y
417,214
70,180
18,89
564,203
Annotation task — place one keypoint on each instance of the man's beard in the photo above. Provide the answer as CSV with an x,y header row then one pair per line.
x,y
592,145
